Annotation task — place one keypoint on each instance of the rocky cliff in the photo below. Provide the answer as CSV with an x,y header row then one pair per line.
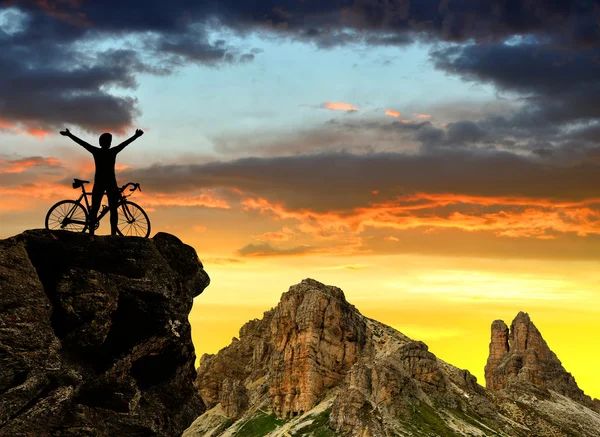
x,y
315,366
94,335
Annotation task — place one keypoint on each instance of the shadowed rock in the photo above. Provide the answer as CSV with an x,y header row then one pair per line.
x,y
94,335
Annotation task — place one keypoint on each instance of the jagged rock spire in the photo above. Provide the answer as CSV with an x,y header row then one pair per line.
x,y
520,357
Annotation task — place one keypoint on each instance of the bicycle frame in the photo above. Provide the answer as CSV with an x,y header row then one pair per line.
x,y
84,196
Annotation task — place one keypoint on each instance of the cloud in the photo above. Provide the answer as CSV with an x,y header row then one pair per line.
x,y
328,23
347,267
344,180
392,113
557,87
503,216
223,261
54,57
57,85
505,195
57,50
25,164
265,249
339,106
282,235
203,199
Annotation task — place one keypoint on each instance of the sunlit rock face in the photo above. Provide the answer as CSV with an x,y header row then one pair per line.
x,y
94,335
299,350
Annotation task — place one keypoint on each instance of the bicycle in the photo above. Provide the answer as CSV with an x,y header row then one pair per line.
x,y
72,215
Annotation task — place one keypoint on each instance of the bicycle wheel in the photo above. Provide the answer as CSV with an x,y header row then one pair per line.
x,y
133,221
67,215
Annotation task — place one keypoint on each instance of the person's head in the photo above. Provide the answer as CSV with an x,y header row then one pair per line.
x,y
105,140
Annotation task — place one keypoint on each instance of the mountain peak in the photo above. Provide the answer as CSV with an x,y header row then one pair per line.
x,y
522,317
310,285
520,358
301,348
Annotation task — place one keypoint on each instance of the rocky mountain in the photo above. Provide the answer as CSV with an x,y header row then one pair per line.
x,y
94,335
314,366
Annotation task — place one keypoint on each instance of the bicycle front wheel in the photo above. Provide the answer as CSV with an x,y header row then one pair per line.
x,y
133,221
67,215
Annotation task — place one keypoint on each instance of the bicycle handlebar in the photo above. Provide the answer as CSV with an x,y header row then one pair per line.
x,y
136,186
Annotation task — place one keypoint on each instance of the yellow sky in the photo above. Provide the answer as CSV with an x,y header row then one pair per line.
x,y
446,302
438,267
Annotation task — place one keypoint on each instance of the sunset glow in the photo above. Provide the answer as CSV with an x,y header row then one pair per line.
x,y
419,162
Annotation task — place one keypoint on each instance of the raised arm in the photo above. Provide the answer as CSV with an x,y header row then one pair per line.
x,y
79,141
138,133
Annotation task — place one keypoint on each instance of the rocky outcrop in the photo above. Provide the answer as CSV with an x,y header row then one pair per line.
x,y
315,366
94,335
298,351
520,359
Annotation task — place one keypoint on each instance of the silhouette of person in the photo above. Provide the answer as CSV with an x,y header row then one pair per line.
x,y
105,180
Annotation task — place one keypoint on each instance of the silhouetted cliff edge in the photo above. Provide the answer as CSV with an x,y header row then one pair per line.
x,y
94,335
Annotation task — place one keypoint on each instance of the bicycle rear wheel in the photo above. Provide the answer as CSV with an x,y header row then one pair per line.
x,y
67,215
133,221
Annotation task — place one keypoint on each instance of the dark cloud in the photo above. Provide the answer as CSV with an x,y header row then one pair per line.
x,y
54,76
455,20
341,181
44,52
557,87
265,249
460,134
48,95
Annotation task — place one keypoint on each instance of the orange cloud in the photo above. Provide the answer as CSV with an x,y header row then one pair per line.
x,y
34,196
421,115
222,261
5,124
20,165
508,217
199,228
37,132
206,200
24,129
122,167
392,113
338,106
282,235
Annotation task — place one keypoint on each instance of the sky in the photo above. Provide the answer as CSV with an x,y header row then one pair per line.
x,y
437,160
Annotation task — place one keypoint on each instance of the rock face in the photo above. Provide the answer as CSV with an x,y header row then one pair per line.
x,y
315,366
521,359
300,349
94,335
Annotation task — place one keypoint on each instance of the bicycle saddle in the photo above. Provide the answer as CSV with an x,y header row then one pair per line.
x,y
78,183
